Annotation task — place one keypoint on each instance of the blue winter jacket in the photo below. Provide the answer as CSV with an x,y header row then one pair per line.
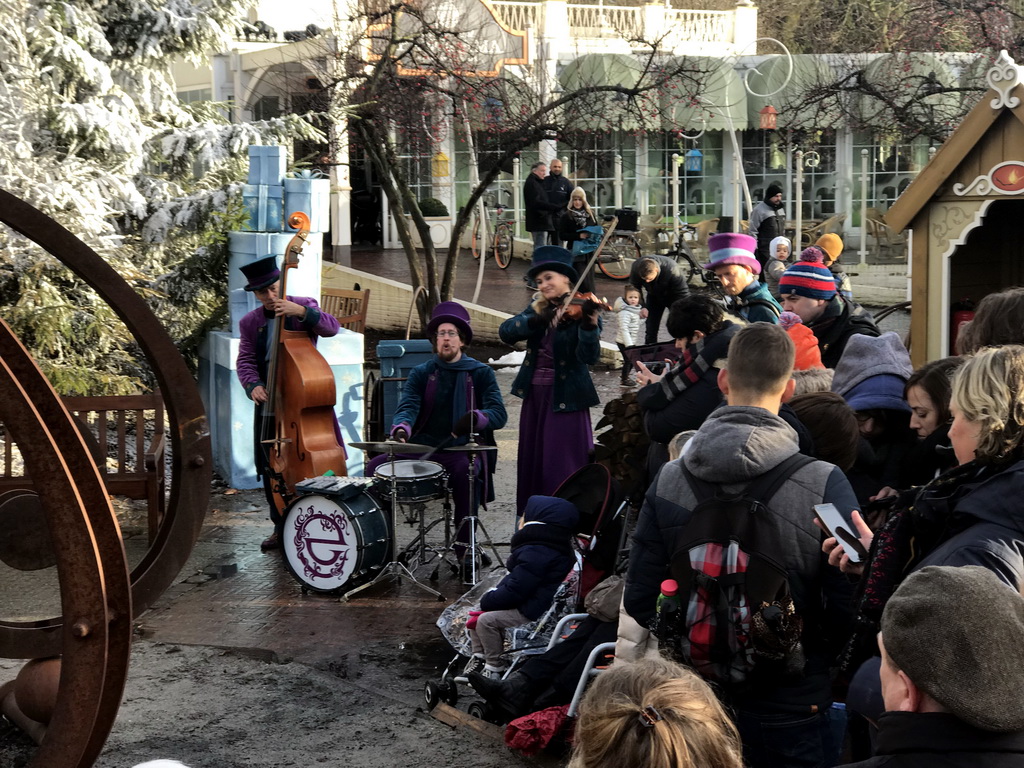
x,y
575,348
541,558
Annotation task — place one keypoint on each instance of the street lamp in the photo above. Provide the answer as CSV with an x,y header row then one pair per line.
x,y
693,160
769,118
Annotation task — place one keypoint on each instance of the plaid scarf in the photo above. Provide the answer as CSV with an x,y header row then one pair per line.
x,y
697,359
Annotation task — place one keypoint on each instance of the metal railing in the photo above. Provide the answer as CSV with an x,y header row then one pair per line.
x,y
604,21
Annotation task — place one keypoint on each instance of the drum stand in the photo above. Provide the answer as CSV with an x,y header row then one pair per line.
x,y
419,547
393,569
479,539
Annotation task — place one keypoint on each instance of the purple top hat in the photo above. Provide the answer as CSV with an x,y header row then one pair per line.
x,y
555,258
262,273
732,248
450,312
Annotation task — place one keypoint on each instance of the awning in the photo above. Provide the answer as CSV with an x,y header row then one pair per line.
x,y
703,93
608,110
909,82
798,99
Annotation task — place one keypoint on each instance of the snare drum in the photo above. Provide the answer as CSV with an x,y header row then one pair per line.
x,y
329,543
414,480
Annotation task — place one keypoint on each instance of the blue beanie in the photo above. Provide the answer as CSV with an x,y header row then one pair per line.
x,y
884,391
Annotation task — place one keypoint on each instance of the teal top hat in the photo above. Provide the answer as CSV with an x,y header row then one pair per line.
x,y
555,258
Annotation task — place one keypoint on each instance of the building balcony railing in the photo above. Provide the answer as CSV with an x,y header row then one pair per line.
x,y
672,28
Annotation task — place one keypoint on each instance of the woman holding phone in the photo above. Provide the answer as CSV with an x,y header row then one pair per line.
x,y
969,515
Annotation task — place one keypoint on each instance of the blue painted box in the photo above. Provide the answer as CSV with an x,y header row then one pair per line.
x,y
397,358
231,412
265,203
267,164
247,247
312,196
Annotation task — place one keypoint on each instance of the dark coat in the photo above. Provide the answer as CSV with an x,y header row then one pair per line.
x,y
735,445
669,285
841,320
940,740
539,208
990,521
575,348
559,189
541,558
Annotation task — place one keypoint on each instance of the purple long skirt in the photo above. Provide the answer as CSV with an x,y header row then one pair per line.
x,y
552,445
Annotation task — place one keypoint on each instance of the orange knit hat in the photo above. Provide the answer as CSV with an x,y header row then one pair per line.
x,y
807,353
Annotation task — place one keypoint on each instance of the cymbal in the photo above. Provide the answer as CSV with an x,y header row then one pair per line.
x,y
393,447
475,447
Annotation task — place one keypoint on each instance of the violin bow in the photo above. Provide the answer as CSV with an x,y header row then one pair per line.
x,y
590,264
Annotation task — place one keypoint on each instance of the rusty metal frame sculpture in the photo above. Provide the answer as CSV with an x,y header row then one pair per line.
x,y
97,593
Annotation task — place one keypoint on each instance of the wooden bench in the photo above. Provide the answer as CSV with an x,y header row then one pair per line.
x,y
348,307
114,428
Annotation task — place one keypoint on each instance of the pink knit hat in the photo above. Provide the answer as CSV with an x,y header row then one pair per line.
x,y
732,248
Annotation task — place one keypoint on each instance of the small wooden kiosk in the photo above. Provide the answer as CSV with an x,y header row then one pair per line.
x,y
965,213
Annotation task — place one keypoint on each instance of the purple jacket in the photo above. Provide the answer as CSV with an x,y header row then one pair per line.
x,y
252,350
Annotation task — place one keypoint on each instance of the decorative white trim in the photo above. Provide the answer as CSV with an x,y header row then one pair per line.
x,y
983,185
951,244
1003,77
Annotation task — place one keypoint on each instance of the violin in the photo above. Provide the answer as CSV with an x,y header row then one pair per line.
x,y
574,308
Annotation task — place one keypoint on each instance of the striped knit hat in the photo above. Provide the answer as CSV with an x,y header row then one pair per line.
x,y
810,279
732,248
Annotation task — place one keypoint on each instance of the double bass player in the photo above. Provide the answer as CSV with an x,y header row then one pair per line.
x,y
300,313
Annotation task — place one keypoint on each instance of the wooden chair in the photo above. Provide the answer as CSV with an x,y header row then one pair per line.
x,y
348,307
831,224
705,229
883,235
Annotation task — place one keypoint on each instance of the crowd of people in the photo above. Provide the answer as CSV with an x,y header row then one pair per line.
x,y
842,533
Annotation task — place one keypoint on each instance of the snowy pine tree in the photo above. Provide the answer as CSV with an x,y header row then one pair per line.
x,y
92,134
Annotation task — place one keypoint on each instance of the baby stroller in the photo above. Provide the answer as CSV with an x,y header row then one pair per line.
x,y
601,505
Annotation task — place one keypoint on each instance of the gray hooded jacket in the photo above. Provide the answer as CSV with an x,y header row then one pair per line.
x,y
733,447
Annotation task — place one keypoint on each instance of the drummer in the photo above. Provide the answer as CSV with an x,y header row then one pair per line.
x,y
442,399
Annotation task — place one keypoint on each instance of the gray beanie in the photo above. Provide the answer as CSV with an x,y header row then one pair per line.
x,y
958,634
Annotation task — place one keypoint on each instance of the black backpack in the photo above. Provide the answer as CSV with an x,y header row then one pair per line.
x,y
735,608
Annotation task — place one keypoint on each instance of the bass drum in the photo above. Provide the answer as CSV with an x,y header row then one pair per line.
x,y
330,543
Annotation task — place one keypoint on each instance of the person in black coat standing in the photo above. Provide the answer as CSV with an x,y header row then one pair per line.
x,y
539,208
662,282
558,189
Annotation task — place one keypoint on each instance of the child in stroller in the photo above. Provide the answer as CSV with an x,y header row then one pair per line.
x,y
600,503
541,555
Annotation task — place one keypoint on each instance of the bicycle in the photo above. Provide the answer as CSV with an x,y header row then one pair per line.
x,y
619,254
503,240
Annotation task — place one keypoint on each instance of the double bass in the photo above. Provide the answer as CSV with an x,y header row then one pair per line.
x,y
299,429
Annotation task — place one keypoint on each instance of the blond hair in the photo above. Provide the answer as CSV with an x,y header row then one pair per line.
x,y
581,194
657,714
989,390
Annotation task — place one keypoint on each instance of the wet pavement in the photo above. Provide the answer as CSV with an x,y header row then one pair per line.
x,y
232,596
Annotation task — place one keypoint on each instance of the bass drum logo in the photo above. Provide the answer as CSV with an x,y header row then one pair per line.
x,y
321,542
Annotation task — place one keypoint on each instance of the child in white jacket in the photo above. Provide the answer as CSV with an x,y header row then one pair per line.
x,y
627,310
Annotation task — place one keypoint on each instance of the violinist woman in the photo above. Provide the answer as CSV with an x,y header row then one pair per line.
x,y
562,339
256,328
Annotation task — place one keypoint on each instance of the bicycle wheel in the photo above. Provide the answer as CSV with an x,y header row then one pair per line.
x,y
474,229
616,260
503,244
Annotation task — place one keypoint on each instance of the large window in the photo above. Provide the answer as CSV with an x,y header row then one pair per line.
x,y
700,192
892,165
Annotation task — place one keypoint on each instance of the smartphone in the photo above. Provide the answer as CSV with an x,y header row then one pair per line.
x,y
836,525
656,366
